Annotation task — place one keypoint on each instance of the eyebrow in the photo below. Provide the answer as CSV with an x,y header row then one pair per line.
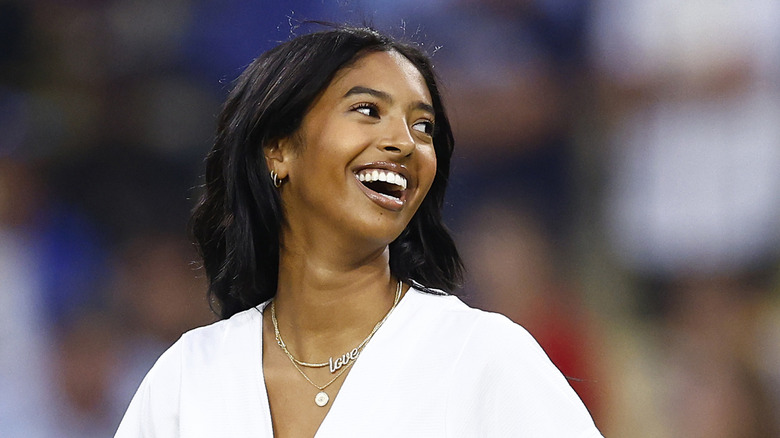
x,y
386,97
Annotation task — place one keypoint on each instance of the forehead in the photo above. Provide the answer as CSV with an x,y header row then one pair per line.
x,y
386,71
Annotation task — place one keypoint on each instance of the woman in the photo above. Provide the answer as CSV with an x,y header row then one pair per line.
x,y
321,235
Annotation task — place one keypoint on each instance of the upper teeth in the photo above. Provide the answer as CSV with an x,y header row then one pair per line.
x,y
371,175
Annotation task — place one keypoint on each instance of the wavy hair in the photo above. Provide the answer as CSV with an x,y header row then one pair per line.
x,y
237,220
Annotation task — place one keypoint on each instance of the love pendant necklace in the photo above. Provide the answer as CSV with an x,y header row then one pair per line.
x,y
340,364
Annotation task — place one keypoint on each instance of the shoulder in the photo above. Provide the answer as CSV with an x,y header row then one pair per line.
x,y
502,382
477,340
455,319
221,337
195,368
207,345
438,304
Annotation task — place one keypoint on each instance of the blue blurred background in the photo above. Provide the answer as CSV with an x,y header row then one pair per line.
x,y
615,190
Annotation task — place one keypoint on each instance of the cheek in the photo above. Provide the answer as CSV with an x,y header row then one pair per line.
x,y
427,168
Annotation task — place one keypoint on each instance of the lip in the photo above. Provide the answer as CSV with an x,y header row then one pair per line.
x,y
384,201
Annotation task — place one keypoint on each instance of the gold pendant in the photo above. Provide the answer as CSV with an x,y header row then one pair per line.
x,y
321,398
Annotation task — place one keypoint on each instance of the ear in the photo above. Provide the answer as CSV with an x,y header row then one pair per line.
x,y
278,156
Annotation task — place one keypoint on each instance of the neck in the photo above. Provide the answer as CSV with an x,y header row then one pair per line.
x,y
326,303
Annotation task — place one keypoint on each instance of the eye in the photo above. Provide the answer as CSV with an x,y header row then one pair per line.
x,y
424,126
367,109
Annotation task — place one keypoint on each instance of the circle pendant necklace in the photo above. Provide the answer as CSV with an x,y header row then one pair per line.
x,y
322,398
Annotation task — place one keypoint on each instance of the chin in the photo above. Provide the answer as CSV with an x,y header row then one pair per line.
x,y
380,235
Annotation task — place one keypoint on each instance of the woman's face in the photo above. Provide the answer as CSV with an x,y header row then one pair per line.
x,y
363,159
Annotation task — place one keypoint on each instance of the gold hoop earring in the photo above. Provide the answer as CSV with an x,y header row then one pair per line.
x,y
275,179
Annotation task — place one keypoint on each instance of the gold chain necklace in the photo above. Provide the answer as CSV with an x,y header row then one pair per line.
x,y
340,364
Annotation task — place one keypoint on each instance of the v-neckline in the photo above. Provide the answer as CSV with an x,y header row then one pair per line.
x,y
263,388
348,379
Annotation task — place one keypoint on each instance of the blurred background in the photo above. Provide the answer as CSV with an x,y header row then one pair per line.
x,y
615,190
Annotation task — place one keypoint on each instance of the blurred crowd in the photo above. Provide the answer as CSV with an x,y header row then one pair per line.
x,y
615,191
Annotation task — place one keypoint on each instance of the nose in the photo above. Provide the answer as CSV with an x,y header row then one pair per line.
x,y
398,139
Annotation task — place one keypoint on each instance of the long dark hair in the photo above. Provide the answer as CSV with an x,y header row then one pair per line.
x,y
237,221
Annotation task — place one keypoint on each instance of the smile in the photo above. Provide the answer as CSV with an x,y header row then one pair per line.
x,y
385,187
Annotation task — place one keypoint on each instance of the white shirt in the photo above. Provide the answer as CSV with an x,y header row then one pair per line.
x,y
436,368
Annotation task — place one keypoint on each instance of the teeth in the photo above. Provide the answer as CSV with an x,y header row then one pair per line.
x,y
371,175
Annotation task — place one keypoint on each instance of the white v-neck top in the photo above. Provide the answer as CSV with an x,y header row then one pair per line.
x,y
436,368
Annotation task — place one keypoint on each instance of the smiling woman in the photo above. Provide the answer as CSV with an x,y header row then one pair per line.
x,y
321,235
